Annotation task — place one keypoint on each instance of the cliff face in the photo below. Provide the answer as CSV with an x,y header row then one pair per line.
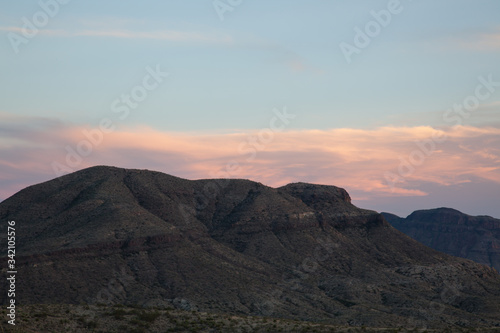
x,y
303,251
450,231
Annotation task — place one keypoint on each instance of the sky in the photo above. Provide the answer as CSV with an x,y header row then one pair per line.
x,y
398,102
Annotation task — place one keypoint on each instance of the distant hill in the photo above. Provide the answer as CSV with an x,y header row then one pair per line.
x,y
450,231
106,235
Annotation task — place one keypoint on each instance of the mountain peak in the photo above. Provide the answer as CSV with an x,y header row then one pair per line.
x,y
302,251
312,192
453,232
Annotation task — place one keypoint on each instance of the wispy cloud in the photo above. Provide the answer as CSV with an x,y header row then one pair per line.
x,y
482,41
352,158
46,32
170,35
167,35
488,41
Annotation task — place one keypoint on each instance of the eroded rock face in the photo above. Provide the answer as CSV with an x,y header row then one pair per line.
x,y
303,251
450,231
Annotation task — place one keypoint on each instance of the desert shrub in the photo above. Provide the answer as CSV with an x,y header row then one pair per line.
x,y
118,314
148,316
137,330
91,324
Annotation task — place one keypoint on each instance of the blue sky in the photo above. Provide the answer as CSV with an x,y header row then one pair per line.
x,y
226,76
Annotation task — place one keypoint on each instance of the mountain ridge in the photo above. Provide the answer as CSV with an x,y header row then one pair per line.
x,y
302,251
451,231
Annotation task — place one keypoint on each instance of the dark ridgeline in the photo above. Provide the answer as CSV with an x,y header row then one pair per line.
x,y
450,231
302,251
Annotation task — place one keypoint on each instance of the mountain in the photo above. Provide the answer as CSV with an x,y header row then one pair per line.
x,y
450,231
107,235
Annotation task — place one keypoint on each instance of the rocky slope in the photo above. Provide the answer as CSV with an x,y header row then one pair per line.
x,y
450,231
106,235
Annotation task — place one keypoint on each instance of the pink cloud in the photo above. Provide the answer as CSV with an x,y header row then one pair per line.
x,y
355,159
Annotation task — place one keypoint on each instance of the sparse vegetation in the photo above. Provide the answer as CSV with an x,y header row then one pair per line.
x,y
118,319
118,314
148,316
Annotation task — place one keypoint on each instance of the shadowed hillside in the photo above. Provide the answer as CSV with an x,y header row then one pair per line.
x,y
450,231
106,235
